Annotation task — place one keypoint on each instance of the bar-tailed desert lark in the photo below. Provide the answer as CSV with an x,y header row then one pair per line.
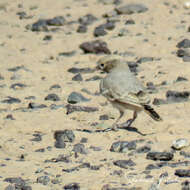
x,y
123,89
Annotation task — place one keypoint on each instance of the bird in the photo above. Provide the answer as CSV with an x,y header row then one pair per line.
x,y
123,90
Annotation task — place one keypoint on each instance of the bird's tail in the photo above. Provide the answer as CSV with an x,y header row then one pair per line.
x,y
150,111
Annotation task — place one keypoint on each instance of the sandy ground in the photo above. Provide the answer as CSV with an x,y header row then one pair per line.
x,y
160,28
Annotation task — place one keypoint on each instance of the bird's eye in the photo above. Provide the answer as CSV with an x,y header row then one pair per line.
x,y
102,65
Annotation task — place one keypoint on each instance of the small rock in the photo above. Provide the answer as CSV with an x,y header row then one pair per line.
x,y
77,77
52,97
131,9
130,21
43,180
10,116
55,86
174,96
124,163
150,86
67,54
17,86
158,101
179,79
182,173
94,78
145,59
184,44
75,70
123,146
56,21
143,149
82,28
47,38
40,25
37,137
87,19
72,108
15,180
79,148
163,156
84,140
72,186
95,47
183,52
11,100
99,31
76,97
180,143
65,135
33,105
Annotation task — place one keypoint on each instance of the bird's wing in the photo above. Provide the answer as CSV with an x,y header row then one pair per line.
x,y
126,90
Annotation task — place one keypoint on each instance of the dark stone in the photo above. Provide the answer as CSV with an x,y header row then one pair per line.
x,y
184,44
96,47
109,25
72,108
150,86
79,148
145,59
143,149
72,186
131,9
55,107
55,86
84,140
15,180
65,135
94,78
75,70
158,101
17,86
124,163
60,144
17,68
56,21
40,25
77,77
163,156
183,52
40,150
30,98
182,173
103,117
132,66
67,54
99,31
82,28
76,97
37,137
174,96
94,148
33,105
52,97
130,21
123,146
43,180
60,158
11,100
87,19
179,79
47,38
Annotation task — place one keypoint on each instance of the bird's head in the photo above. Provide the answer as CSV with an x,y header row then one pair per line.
x,y
108,63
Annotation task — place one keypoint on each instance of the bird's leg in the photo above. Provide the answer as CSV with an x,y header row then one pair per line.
x,y
130,121
114,125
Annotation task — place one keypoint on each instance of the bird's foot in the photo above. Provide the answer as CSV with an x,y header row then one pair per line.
x,y
113,128
127,123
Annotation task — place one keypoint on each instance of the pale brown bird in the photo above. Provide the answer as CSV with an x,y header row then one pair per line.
x,y
123,89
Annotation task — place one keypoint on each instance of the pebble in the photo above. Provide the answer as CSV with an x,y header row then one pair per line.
x,y
73,108
39,26
47,38
68,53
15,180
145,59
123,146
65,135
104,117
131,9
75,70
130,21
11,100
96,47
163,156
17,86
87,19
10,116
56,21
99,31
43,180
33,105
182,173
180,79
180,143
79,148
77,77
72,186
76,97
175,96
184,44
52,97
55,86
143,149
124,163
82,28
159,101
37,137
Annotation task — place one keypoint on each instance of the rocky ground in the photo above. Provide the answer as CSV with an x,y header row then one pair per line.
x,y
52,115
